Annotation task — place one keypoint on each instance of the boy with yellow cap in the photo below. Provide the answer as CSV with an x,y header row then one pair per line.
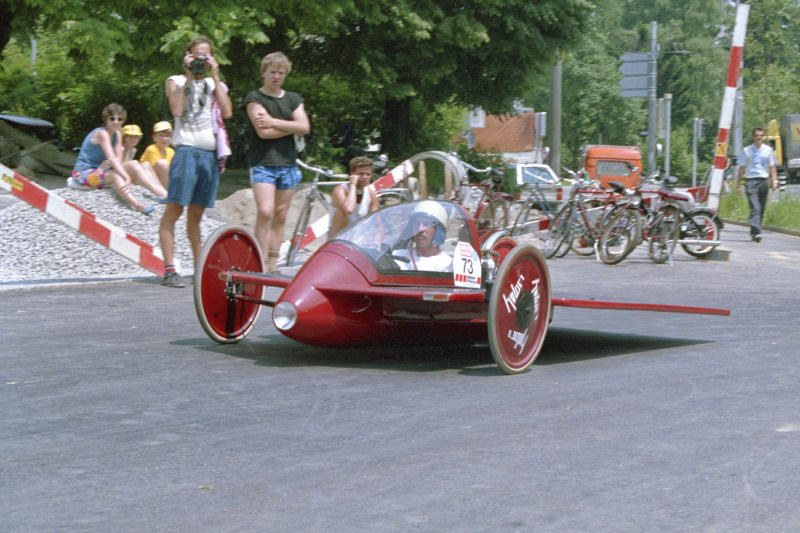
x,y
159,154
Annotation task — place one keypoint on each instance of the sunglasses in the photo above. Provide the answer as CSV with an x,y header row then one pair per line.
x,y
116,119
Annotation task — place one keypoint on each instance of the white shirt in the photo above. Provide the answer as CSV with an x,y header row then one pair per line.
x,y
195,127
758,160
440,262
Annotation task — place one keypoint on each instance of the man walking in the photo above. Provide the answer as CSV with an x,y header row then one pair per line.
x,y
757,164
194,171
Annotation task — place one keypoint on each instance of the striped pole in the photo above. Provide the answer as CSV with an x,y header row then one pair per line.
x,y
728,103
82,221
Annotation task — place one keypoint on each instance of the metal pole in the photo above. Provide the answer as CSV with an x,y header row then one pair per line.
x,y
554,116
695,125
667,130
651,93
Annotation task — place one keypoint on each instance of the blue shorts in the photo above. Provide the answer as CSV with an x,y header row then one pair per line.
x,y
193,177
283,178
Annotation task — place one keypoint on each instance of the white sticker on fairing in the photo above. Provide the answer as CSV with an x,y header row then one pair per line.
x,y
466,266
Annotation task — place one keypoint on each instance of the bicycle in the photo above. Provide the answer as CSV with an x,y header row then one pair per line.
x,y
533,178
485,201
580,220
304,234
657,221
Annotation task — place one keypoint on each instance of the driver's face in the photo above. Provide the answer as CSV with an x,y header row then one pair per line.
x,y
424,228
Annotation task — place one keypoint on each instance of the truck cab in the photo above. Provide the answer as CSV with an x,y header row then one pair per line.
x,y
605,163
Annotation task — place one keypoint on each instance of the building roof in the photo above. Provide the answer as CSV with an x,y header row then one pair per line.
x,y
507,133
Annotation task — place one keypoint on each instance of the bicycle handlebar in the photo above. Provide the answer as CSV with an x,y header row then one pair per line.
x,y
329,174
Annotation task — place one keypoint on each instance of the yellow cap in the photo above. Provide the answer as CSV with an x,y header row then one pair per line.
x,y
162,126
132,129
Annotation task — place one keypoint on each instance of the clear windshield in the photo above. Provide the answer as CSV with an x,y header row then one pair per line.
x,y
417,236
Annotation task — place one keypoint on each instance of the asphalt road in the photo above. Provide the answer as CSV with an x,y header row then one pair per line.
x,y
117,413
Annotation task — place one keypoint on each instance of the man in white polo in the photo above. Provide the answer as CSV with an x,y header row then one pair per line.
x,y
757,164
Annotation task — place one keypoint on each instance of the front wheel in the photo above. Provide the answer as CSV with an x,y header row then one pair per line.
x,y
519,309
223,317
701,225
619,236
559,234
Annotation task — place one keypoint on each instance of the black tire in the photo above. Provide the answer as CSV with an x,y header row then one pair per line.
x,y
559,233
619,236
700,224
664,233
520,222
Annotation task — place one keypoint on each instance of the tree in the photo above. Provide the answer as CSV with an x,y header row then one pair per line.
x,y
392,56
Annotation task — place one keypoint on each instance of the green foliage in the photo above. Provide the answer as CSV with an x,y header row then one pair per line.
x,y
783,212
483,159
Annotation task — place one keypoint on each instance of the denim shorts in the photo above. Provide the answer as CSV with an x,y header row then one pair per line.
x,y
193,177
283,178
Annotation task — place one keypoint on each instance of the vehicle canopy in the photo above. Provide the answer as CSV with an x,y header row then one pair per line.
x,y
536,173
607,163
389,237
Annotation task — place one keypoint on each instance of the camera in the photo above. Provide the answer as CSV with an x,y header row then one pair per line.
x,y
197,64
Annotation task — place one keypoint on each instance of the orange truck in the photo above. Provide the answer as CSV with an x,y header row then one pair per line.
x,y
605,163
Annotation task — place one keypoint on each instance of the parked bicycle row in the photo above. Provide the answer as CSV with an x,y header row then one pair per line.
x,y
555,214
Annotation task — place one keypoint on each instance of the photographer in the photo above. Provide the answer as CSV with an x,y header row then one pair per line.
x,y
194,171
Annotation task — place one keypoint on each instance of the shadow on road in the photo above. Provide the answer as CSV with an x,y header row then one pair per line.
x,y
561,346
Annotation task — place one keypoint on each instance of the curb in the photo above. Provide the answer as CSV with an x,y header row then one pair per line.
x,y
773,229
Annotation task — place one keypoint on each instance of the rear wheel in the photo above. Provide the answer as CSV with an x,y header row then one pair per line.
x,y
224,318
300,228
700,225
664,234
494,215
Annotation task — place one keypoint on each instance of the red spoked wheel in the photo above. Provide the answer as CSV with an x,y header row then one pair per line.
x,y
225,318
519,309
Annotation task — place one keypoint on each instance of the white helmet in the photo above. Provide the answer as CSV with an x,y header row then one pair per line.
x,y
435,211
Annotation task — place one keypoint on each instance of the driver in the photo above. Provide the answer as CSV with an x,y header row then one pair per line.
x,y
427,232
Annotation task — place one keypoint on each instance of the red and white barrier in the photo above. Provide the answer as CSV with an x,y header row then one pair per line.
x,y
728,103
321,226
82,221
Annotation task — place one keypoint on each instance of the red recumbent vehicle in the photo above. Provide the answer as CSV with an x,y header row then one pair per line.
x,y
416,273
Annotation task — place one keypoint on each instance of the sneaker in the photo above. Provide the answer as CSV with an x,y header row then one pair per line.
x,y
173,279
757,237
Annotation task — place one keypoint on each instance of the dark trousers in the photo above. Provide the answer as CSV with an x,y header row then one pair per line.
x,y
756,189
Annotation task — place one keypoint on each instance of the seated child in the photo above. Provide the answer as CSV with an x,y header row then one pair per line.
x,y
159,154
141,174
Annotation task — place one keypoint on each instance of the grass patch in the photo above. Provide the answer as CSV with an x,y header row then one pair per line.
x,y
782,213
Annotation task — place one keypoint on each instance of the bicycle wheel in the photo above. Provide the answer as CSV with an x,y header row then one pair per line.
x,y
299,232
494,215
619,236
520,226
700,225
583,239
664,234
559,233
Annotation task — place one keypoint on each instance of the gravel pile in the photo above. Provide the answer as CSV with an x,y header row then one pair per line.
x,y
36,247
